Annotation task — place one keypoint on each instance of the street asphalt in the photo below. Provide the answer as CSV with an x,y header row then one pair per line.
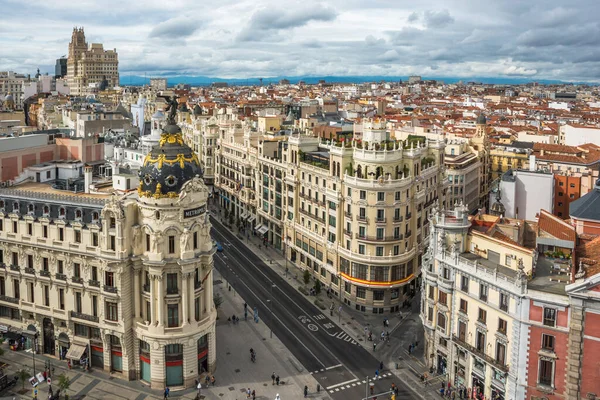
x,y
345,369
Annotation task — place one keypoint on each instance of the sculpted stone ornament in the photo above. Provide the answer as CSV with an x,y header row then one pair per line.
x,y
114,204
156,242
185,237
136,234
194,185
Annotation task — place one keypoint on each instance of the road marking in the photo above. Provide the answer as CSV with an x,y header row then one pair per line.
x,y
328,325
332,367
235,248
313,327
282,324
341,384
320,316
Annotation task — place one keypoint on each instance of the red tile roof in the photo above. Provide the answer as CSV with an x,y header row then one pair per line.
x,y
556,227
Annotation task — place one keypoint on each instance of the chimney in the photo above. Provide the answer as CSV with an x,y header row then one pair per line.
x,y
87,175
532,163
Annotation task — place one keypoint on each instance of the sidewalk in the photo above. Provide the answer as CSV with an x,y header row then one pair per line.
x,y
403,331
234,374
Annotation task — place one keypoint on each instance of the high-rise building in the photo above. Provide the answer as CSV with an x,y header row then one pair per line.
x,y
90,68
60,69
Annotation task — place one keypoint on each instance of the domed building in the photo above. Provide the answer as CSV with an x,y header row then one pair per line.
x,y
127,279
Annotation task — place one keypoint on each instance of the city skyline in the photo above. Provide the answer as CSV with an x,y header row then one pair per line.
x,y
536,41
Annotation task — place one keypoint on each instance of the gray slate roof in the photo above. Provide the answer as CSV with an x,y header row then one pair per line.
x,y
587,206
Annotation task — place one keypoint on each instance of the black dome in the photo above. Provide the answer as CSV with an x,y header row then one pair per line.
x,y
481,120
168,166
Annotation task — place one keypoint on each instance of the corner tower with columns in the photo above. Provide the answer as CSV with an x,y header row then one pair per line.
x,y
173,285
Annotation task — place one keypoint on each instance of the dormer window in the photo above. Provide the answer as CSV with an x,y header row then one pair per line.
x,y
62,212
15,207
46,210
30,208
78,214
95,216
2,204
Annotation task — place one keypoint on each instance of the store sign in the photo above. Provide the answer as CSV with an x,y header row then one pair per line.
x,y
194,212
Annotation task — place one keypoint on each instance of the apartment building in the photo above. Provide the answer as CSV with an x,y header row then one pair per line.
x,y
11,90
122,281
474,283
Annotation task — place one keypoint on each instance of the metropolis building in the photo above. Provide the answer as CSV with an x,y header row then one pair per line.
x,y
124,281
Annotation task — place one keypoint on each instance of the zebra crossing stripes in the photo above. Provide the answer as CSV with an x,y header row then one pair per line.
x,y
345,337
335,389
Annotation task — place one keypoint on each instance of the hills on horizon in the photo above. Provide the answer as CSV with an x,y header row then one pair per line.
x,y
135,80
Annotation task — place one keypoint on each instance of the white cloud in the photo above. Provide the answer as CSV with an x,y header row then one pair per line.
x,y
249,38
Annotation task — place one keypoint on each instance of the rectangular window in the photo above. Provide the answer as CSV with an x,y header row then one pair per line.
x,y
360,293
361,249
502,326
464,305
172,315
46,295
379,251
397,196
15,227
378,295
380,196
112,245
363,195
507,260
480,341
546,372
77,236
61,234
171,244
45,231
77,270
17,288
549,316
430,314
95,306
78,306
482,315
443,297
504,302
111,311
500,353
31,293
30,229
109,279
431,292
172,284
441,322
462,331
195,240
197,308
483,292
147,242
95,239
61,299
547,342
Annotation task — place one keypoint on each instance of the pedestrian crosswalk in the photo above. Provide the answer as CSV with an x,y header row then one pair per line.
x,y
345,337
337,388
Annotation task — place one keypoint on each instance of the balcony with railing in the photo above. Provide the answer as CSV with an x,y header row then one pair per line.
x,y
61,277
93,282
380,220
29,270
399,219
45,273
77,279
14,267
146,288
172,291
362,218
312,215
480,353
197,285
9,299
85,317
376,238
110,289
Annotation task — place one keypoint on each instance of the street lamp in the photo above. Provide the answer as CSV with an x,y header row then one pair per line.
x,y
34,348
271,307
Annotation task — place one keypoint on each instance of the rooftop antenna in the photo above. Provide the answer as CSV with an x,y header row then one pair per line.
x,y
260,80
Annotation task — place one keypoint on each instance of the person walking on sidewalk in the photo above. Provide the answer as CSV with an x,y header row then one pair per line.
x,y
374,346
381,365
273,377
277,380
305,391
376,373
253,394
166,393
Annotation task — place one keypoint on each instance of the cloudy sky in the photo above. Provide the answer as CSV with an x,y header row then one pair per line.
x,y
535,39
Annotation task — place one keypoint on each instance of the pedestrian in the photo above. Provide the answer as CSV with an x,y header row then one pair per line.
x,y
167,391
253,394
277,397
305,391
374,346
212,380
248,393
207,380
273,377
382,336
199,387
376,373
277,380
409,348
381,365
425,378
443,384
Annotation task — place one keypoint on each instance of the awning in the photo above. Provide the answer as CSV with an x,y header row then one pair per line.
x,y
251,219
75,351
262,230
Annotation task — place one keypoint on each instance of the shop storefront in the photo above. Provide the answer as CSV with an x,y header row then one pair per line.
x,y
145,361
203,354
30,336
97,358
77,354
441,363
174,364
63,345
116,354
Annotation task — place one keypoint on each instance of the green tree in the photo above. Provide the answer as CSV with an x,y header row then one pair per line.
x,y
23,374
63,384
306,276
318,287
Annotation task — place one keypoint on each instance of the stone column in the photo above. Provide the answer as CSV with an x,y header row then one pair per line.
x,y
152,306
191,300
136,294
212,350
184,297
160,299
208,292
